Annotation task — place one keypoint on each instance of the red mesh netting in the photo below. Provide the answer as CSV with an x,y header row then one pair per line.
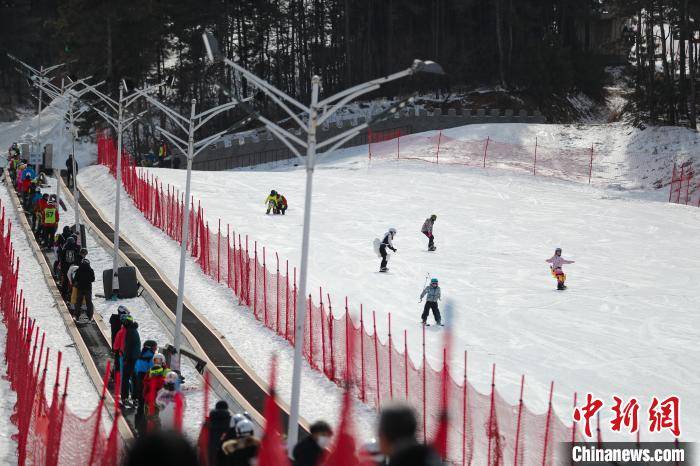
x,y
483,427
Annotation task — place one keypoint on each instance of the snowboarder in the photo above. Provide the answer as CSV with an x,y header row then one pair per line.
x,y
432,295
271,202
556,262
386,243
427,230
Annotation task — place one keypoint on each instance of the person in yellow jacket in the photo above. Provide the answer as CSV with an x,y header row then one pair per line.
x,y
271,202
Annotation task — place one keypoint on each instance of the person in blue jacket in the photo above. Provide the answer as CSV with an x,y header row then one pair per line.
x,y
432,295
144,363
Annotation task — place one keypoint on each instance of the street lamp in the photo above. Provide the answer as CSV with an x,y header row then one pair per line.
x,y
41,73
189,125
314,114
120,123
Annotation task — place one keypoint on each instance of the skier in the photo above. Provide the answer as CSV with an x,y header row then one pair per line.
x,y
556,262
281,204
432,295
427,230
271,202
165,401
386,243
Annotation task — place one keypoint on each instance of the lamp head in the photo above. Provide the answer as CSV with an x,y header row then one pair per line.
x,y
427,66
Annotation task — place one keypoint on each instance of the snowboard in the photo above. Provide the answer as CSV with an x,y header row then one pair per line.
x,y
376,243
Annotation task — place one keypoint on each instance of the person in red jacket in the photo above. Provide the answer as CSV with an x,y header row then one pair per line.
x,y
281,204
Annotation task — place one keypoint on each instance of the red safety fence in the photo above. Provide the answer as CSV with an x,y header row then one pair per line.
x,y
439,148
483,427
48,433
682,189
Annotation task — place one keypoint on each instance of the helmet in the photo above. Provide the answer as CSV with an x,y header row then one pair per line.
x,y
557,250
392,231
158,357
433,280
122,310
172,377
273,193
433,217
244,428
236,418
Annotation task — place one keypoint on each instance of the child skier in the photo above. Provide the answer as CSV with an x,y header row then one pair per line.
x,y
271,202
556,262
427,230
386,243
432,295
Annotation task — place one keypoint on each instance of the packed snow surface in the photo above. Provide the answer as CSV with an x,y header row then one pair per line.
x,y
627,325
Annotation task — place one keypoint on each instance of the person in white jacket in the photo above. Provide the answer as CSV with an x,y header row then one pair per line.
x,y
165,401
556,262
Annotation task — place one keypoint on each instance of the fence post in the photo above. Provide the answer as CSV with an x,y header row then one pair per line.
x,y
520,413
330,335
362,353
464,412
323,332
534,165
294,308
376,357
680,185
255,280
405,361
286,304
489,427
311,334
218,253
673,178
369,143
590,167
228,254
687,186
425,437
398,151
573,427
391,373
546,428
277,295
265,288
486,148
437,154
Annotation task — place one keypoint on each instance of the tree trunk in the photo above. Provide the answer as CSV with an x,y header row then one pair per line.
x,y
499,42
682,52
693,60
348,61
651,57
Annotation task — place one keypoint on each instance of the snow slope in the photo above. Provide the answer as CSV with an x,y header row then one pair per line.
x,y
628,324
254,343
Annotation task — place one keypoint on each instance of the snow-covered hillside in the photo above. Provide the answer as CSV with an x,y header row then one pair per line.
x,y
626,326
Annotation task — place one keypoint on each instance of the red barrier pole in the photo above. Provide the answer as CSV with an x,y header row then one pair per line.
x,y
311,334
573,427
323,332
534,165
405,362
286,304
437,154
673,179
680,185
330,335
376,357
98,422
255,280
362,353
264,288
425,437
228,254
218,253
590,167
294,309
520,413
391,373
491,413
486,148
277,295
546,429
687,186
369,143
398,152
464,413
